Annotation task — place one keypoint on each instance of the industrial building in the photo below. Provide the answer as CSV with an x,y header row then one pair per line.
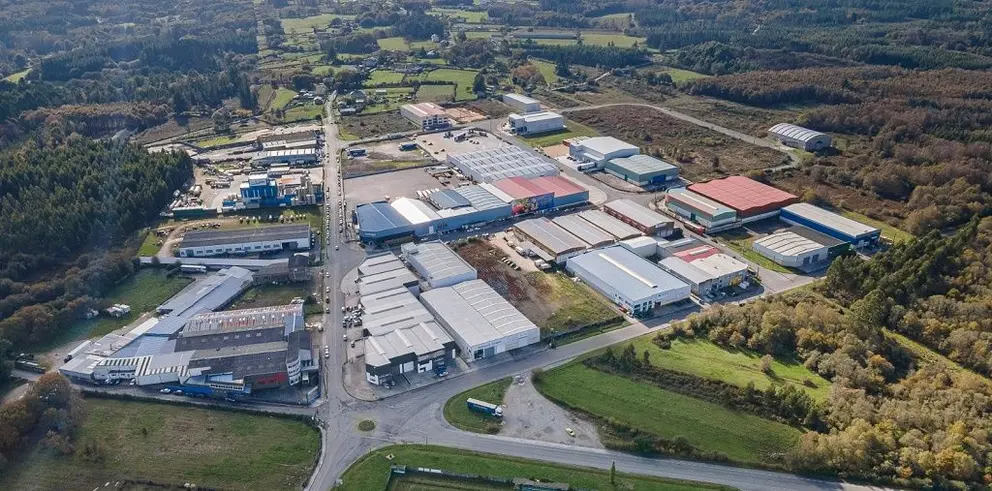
x,y
632,282
535,123
585,231
551,238
421,217
667,248
599,149
287,141
266,190
500,163
387,279
799,137
426,115
857,234
467,206
790,249
610,225
525,196
437,264
640,217
564,192
751,199
482,322
698,209
296,157
238,327
643,170
267,239
835,247
379,223
708,272
522,103
642,246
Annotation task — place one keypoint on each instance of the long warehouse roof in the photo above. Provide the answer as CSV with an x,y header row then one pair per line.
x,y
584,230
437,260
638,213
202,238
830,220
551,236
379,217
631,275
611,225
788,244
476,312
643,164
795,132
699,202
503,162
743,194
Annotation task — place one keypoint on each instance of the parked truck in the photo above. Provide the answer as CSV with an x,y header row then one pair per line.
x,y
484,407
193,268
30,366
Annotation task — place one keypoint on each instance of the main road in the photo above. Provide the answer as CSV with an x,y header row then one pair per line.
x,y
416,416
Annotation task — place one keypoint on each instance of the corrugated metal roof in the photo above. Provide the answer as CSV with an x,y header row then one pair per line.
x,y
379,217
795,132
743,194
719,265
414,211
502,162
200,238
560,186
288,317
550,236
380,264
698,202
476,312
830,220
611,225
587,232
643,164
788,244
520,98
449,198
684,270
638,213
436,259
605,145
631,275
520,188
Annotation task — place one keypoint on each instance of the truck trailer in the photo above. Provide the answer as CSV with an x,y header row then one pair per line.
x,y
484,407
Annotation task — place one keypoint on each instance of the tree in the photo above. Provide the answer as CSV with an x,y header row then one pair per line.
x,y
479,84
179,104
562,70
613,473
766,364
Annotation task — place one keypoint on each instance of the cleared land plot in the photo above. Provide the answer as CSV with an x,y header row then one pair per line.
x,y
740,436
393,184
150,245
364,166
172,445
702,358
888,231
572,130
618,40
680,76
436,93
371,473
16,77
698,147
460,416
741,241
374,124
268,296
550,300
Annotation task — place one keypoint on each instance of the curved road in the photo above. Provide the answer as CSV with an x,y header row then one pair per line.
x,y
416,416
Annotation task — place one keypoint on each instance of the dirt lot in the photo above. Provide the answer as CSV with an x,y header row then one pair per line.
x,y
464,115
702,153
490,108
384,157
357,127
529,415
440,147
394,184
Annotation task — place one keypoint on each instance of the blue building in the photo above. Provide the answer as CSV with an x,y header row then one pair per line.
x,y
378,222
260,190
855,233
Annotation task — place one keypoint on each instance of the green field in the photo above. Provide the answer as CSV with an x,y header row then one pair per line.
x,y
679,75
470,17
173,445
740,436
458,414
217,140
149,246
305,112
702,358
547,69
371,472
479,34
892,233
436,93
323,70
580,306
281,99
16,77
617,39
393,44
306,24
741,242
572,130
464,78
384,77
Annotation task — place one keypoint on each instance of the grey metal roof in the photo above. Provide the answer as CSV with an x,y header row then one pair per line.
x,y
788,244
419,339
476,312
248,349
480,197
379,217
630,274
380,264
502,162
684,270
830,220
795,132
200,238
550,236
288,317
219,262
587,232
435,260
392,309
699,202
611,225
388,280
818,237
204,295
288,137
643,164
449,198
606,144
638,213
520,98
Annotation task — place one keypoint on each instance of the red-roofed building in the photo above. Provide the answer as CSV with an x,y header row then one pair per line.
x,y
703,251
751,199
565,192
527,196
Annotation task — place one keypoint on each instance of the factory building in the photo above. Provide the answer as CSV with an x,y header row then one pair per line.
x,y
437,264
632,282
500,163
695,208
535,123
706,273
610,225
835,247
600,149
482,322
585,231
526,197
751,199
564,192
386,273
379,223
667,248
467,206
287,141
832,224
522,103
426,115
790,249
401,336
272,238
297,157
239,327
643,170
265,190
640,217
250,367
421,217
799,137
551,238
642,246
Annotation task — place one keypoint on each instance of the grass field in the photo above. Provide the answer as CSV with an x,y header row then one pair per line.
x,y
888,231
679,75
281,99
305,112
172,445
617,39
458,414
702,358
579,304
384,77
547,69
323,70
741,242
16,77
709,427
371,472
306,24
572,130
436,93
393,44
217,140
464,78
470,17
149,246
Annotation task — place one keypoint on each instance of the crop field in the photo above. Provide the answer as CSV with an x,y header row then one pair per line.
x,y
460,416
572,130
371,472
172,445
702,358
740,436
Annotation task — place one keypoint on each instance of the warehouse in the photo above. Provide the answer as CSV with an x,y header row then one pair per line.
x,y
482,322
437,264
584,230
835,247
525,195
270,238
380,263
751,199
551,238
640,217
484,207
238,327
564,192
535,123
522,103
421,217
426,115
500,163
695,208
287,141
832,224
379,223
258,366
725,270
293,157
642,246
799,137
790,249
643,170
610,225
700,282
600,149
388,280
632,282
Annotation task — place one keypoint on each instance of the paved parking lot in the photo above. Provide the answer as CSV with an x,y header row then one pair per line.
x,y
393,184
440,147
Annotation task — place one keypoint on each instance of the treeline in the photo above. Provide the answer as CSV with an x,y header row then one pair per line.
x,y
589,55
51,407
101,119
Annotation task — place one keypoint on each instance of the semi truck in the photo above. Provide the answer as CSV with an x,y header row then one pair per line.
x,y
28,365
484,407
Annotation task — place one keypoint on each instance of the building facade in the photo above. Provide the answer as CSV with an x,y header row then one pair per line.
x,y
267,239
535,123
426,115
799,137
522,103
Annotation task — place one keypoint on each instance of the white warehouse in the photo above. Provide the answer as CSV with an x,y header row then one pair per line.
x,y
522,103
427,115
437,264
482,322
799,137
790,249
600,149
632,282
535,123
